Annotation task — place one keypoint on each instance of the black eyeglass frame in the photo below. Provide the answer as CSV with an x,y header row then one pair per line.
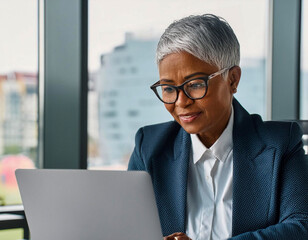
x,y
181,87
205,78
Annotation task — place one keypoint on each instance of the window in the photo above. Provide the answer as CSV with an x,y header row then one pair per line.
x,y
304,63
18,94
122,59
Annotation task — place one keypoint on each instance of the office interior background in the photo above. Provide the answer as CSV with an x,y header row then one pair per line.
x,y
75,76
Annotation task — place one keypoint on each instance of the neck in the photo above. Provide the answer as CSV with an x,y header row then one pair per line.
x,y
208,138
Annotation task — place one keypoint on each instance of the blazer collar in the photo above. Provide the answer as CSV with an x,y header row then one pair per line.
x,y
246,140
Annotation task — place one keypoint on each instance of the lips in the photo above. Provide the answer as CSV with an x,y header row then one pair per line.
x,y
189,117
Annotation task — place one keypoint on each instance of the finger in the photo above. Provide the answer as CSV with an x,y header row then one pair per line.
x,y
171,237
182,238
177,236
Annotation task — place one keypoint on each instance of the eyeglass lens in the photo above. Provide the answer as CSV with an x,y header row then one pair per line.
x,y
194,89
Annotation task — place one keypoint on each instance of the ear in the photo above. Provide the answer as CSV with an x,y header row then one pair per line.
x,y
234,77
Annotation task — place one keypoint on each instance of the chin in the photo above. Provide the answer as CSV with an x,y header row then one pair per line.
x,y
191,129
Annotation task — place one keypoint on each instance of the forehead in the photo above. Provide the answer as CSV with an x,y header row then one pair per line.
x,y
182,64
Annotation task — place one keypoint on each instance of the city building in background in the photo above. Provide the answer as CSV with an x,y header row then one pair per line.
x,y
18,130
125,100
93,126
18,114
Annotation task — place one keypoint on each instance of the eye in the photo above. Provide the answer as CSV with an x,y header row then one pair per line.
x,y
197,84
168,89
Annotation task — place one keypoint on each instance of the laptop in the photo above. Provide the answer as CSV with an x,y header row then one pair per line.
x,y
89,204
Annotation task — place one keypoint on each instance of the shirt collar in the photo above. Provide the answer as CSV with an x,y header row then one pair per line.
x,y
220,149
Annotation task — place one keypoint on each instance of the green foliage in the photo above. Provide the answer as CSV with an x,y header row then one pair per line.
x,y
12,149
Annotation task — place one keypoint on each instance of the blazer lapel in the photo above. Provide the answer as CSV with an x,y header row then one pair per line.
x,y
171,184
252,174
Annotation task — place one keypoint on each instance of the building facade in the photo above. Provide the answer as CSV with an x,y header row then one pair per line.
x,y
126,101
18,114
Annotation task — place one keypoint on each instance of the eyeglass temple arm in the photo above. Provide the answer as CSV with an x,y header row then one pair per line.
x,y
219,72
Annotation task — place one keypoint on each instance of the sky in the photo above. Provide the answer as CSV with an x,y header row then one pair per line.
x,y
247,18
18,35
109,20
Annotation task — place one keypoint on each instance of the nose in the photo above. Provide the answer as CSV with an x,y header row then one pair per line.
x,y
183,101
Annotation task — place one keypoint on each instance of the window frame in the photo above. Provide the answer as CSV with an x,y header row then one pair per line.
x,y
285,59
63,83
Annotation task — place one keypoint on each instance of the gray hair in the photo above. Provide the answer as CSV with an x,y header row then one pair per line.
x,y
207,37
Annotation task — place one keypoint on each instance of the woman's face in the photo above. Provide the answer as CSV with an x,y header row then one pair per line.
x,y
208,116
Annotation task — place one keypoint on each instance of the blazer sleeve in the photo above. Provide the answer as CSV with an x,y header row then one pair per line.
x,y
293,192
136,162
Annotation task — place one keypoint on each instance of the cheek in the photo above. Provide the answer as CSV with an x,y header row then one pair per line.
x,y
169,108
217,100
221,93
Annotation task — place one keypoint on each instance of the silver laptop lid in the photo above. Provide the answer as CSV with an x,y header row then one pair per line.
x,y
87,204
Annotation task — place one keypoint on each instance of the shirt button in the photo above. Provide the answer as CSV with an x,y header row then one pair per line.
x,y
207,178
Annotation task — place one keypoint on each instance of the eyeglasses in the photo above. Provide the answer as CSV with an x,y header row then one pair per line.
x,y
193,88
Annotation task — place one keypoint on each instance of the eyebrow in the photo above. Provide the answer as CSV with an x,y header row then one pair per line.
x,y
194,74
166,80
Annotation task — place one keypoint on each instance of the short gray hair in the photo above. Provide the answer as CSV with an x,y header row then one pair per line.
x,y
207,37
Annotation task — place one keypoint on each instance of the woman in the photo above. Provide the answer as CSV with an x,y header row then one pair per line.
x,y
218,172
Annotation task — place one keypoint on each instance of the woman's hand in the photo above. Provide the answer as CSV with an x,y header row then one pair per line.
x,y
177,236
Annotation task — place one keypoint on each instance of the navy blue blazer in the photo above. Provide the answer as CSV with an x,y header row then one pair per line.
x,y
270,176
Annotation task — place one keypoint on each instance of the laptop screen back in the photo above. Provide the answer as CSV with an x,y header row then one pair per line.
x,y
86,204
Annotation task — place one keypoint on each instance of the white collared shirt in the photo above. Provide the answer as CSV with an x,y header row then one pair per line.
x,y
209,190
